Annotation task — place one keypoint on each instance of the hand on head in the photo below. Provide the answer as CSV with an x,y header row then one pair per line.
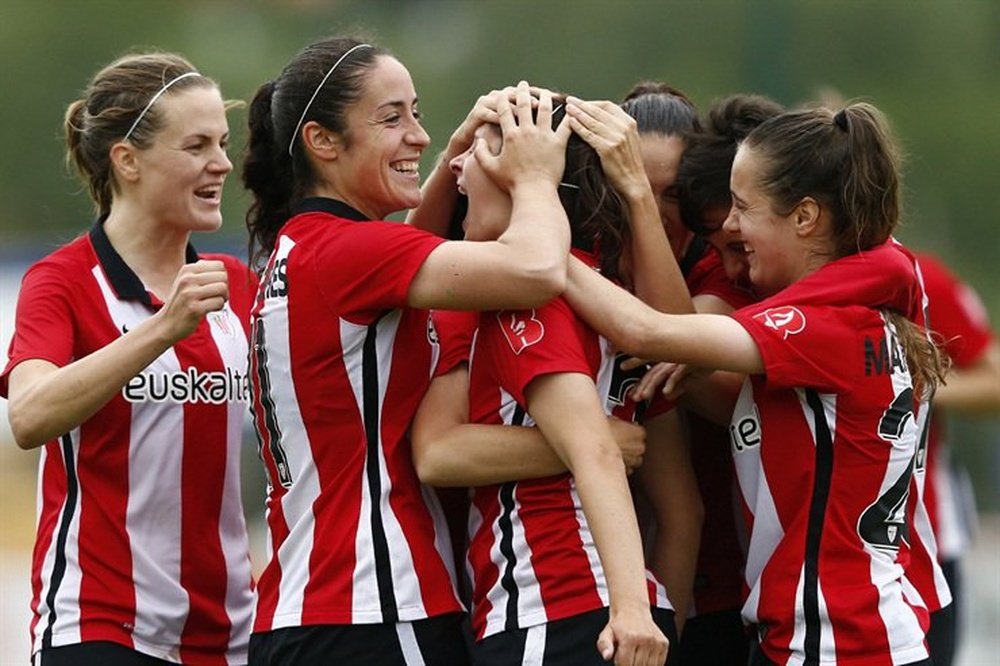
x,y
610,131
532,150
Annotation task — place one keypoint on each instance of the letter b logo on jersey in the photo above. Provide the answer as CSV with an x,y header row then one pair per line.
x,y
521,328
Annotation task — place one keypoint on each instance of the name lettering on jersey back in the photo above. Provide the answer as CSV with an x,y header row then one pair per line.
x,y
212,388
277,280
883,358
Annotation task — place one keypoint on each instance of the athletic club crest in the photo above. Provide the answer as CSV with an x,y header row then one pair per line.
x,y
520,328
787,320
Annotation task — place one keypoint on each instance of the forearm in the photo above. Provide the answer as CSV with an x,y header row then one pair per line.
x,y
538,237
607,504
668,482
655,273
480,455
47,401
975,389
439,197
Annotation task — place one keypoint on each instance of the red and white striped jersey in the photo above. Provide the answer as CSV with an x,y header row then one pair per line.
x,y
141,538
959,318
823,444
889,276
338,367
532,556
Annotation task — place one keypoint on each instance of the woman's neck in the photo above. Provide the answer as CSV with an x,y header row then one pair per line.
x,y
154,252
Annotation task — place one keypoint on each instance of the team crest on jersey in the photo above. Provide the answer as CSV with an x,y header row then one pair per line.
x,y
787,320
521,328
220,320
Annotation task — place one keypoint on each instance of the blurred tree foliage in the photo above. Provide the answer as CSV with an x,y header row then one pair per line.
x,y
933,67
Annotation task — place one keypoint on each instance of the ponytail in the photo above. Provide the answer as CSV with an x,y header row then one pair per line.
x,y
267,173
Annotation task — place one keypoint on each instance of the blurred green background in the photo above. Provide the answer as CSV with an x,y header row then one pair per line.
x,y
932,66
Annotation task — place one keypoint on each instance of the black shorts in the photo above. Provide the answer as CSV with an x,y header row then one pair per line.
x,y
945,630
95,653
436,641
715,638
570,642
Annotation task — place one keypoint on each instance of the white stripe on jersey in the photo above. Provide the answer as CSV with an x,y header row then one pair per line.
x,y
66,630
829,402
767,531
900,620
231,343
161,603
827,642
590,548
296,504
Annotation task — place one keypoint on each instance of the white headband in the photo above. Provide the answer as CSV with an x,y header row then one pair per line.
x,y
155,97
298,125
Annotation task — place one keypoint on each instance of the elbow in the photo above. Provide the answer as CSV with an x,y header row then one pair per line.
x,y
28,434
544,281
634,336
430,468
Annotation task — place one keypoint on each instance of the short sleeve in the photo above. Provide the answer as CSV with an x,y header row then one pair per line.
x,y
455,331
369,266
531,343
43,324
817,347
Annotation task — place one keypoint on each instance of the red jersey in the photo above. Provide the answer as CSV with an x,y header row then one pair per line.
x,y
531,552
823,444
339,366
889,276
958,316
141,539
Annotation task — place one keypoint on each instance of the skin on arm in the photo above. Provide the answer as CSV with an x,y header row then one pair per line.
x,y
668,482
46,401
568,411
611,132
526,266
448,451
974,389
709,341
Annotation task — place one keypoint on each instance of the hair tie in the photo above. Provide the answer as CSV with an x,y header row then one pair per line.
x,y
298,125
840,119
155,97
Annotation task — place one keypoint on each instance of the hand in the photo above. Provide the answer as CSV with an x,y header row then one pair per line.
x,y
613,134
631,440
198,289
483,111
633,639
532,151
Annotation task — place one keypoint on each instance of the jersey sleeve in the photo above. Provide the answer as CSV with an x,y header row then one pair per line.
x,y
531,343
455,331
370,265
956,313
817,347
43,325
708,278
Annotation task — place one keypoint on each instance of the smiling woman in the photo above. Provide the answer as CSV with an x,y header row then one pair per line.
x,y
141,547
344,347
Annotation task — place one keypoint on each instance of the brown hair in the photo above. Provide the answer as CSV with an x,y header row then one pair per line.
x,y
111,104
276,179
847,161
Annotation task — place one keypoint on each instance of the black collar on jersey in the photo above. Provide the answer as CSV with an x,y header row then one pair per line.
x,y
124,281
331,206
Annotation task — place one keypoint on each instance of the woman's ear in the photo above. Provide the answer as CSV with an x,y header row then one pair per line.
x,y
124,162
807,216
320,141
